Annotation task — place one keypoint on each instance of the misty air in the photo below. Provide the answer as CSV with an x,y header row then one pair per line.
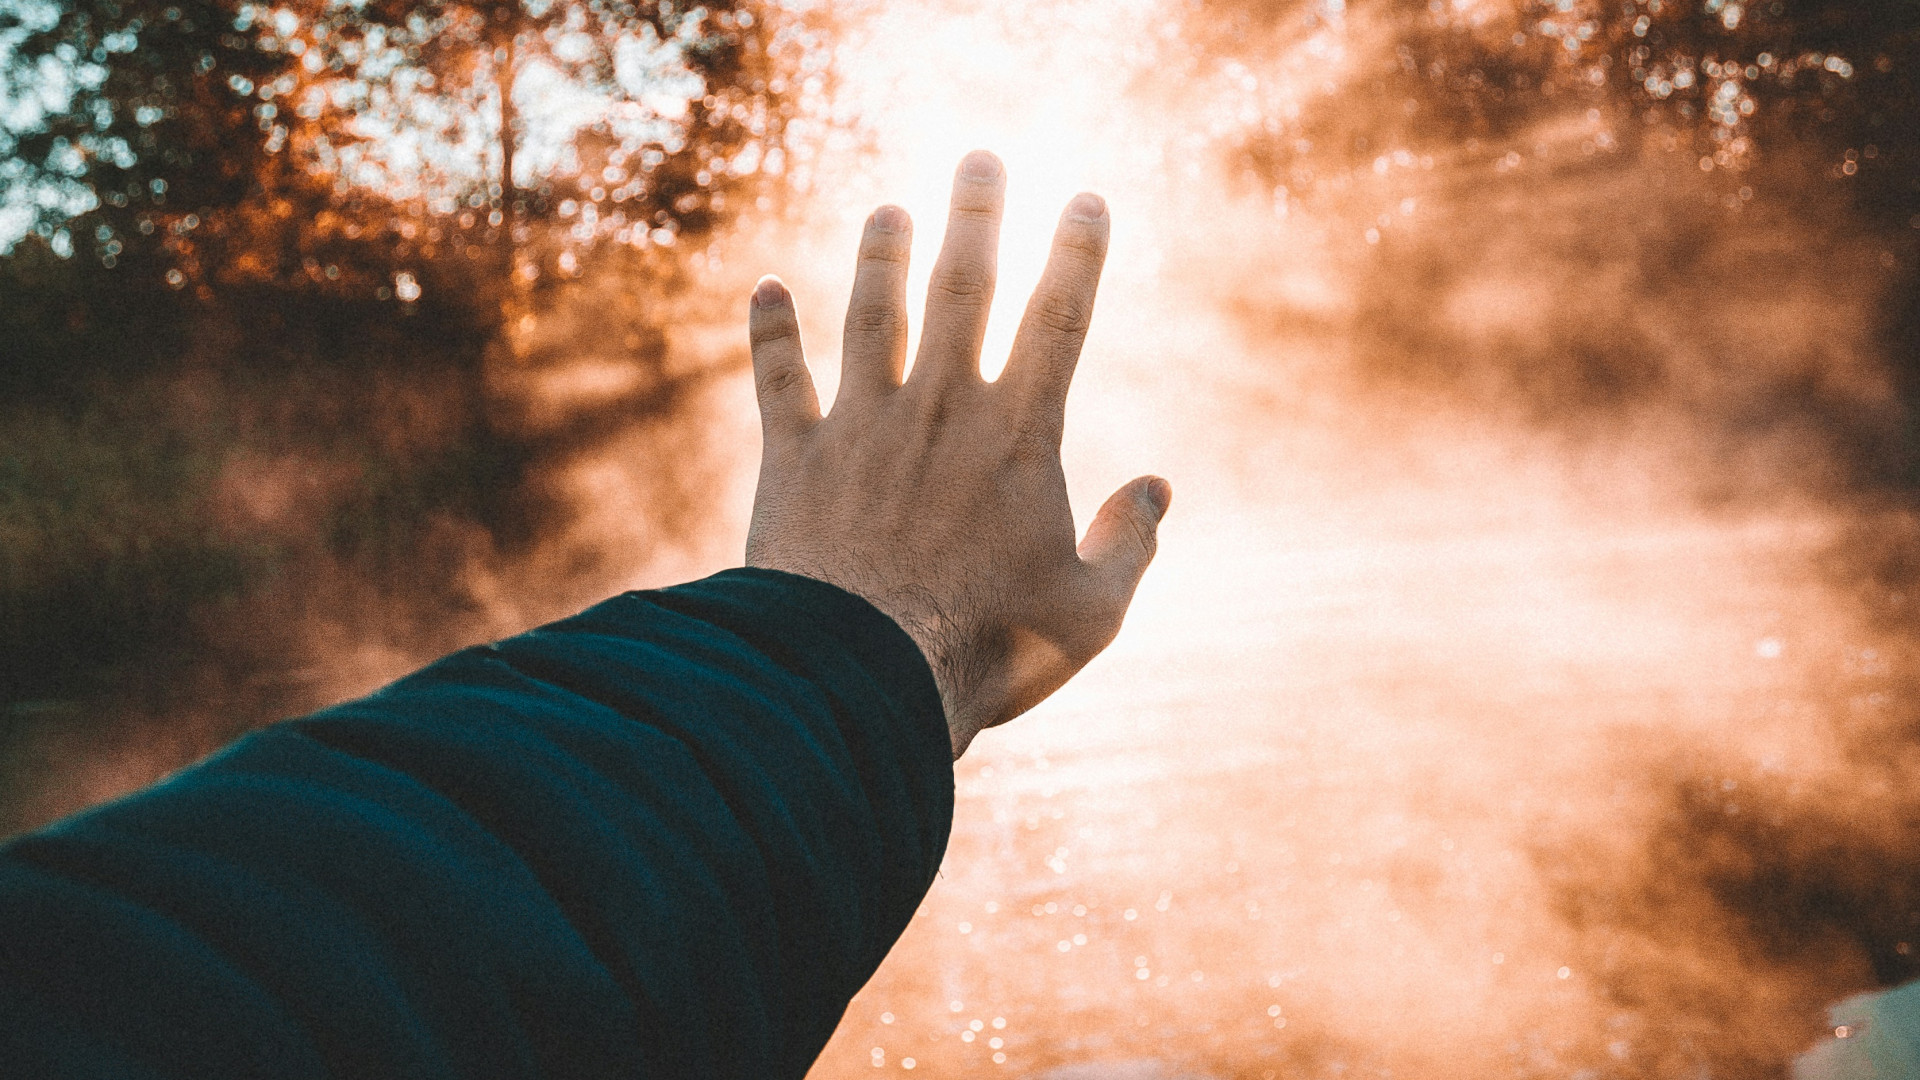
x,y
1526,683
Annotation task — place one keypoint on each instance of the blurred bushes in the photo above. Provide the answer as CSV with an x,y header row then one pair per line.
x,y
149,489
106,548
256,417
1596,216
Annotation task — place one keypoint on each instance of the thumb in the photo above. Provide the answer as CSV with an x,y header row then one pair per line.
x,y
1121,540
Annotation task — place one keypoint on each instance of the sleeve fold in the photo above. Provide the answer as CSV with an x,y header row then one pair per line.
x,y
669,836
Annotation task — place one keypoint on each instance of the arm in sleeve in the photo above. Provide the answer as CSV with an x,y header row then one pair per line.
x,y
668,837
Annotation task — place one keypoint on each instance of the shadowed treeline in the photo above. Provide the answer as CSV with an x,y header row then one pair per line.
x,y
298,330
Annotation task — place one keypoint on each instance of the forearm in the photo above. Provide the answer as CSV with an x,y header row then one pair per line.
x,y
670,836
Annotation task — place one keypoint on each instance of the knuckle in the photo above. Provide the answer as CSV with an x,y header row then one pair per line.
x,y
976,207
780,378
1145,537
931,410
772,331
884,249
879,320
1087,242
1035,439
1062,311
963,281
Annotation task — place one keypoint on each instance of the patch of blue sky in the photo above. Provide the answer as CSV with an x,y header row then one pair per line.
x,y
414,140
34,199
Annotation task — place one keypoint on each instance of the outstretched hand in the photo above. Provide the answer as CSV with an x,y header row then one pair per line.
x,y
942,500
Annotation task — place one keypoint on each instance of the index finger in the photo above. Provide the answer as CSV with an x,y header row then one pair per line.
x,y
1046,349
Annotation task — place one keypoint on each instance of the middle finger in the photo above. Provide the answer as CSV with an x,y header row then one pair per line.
x,y
961,289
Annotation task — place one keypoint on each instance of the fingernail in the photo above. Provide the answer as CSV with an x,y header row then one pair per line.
x,y
1160,493
891,219
769,293
1087,206
980,165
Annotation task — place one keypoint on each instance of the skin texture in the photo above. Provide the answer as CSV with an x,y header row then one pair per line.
x,y
942,500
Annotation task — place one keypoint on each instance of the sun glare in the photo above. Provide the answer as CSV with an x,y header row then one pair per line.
x,y
1385,658
935,84
1524,685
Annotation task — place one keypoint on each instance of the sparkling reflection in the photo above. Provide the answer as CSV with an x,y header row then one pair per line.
x,y
1526,683
1417,754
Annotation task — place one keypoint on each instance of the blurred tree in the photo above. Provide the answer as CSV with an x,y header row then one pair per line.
x,y
1732,77
139,145
1809,104
652,110
240,142
265,365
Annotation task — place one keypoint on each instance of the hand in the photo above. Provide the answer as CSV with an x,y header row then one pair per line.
x,y
942,501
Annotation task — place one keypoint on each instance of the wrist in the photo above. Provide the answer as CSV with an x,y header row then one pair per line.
x,y
957,663
958,660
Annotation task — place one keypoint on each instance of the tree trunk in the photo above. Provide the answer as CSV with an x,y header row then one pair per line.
x,y
509,219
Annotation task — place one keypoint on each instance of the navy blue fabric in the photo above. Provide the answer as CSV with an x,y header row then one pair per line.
x,y
668,837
